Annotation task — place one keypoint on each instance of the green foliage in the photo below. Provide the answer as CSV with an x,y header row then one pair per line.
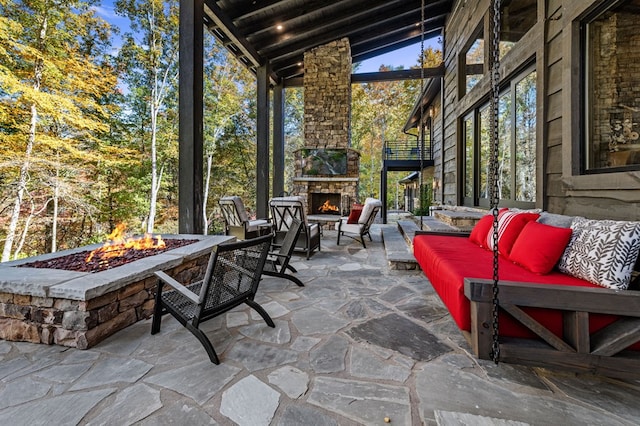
x,y
426,196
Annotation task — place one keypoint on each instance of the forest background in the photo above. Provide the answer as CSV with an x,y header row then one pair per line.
x,y
89,130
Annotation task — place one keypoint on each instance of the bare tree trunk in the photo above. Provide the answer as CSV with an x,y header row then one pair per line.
x,y
24,170
205,196
155,184
54,219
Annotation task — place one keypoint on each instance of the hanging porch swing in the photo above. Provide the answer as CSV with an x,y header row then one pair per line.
x,y
513,316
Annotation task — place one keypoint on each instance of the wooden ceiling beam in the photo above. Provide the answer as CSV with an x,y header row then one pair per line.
x,y
224,24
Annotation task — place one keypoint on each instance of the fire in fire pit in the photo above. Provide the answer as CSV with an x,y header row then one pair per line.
x,y
115,252
117,245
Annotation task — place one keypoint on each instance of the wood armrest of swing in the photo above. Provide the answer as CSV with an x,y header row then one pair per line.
x,y
556,296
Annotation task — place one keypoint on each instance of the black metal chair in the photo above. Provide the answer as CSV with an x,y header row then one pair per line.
x,y
283,210
231,278
236,221
277,263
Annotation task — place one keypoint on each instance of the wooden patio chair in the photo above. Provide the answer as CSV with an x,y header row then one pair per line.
x,y
237,222
277,263
231,279
283,211
357,231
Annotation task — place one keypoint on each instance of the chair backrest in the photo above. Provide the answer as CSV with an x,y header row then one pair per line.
x,y
369,211
284,210
289,242
234,270
233,211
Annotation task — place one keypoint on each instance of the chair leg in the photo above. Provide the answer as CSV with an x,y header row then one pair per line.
x,y
205,342
265,316
157,310
292,269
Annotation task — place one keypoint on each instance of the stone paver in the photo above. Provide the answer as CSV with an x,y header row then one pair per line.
x,y
360,342
250,402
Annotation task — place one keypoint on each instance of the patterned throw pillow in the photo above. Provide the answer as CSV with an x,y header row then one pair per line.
x,y
510,223
602,252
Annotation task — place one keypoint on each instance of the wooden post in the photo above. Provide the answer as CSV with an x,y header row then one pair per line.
x,y
262,124
278,139
190,187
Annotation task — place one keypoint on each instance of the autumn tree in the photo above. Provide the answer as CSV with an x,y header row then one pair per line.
x,y
149,60
53,77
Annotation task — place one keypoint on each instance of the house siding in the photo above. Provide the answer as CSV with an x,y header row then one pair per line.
x,y
554,45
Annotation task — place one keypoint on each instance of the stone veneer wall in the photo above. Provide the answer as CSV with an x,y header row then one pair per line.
x,y
83,324
327,95
327,119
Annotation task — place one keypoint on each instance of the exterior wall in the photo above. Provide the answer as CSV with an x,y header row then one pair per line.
x,y
554,42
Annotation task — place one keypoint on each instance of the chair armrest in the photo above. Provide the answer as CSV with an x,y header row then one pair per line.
x,y
179,287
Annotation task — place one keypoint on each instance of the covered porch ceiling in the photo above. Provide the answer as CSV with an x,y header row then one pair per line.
x,y
278,32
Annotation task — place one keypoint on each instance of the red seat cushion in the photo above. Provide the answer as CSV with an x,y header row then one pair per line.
x,y
354,215
539,247
447,260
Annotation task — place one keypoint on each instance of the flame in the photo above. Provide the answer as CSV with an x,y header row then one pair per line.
x,y
327,207
117,245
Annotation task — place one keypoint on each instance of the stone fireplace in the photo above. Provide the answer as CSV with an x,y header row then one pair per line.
x,y
327,167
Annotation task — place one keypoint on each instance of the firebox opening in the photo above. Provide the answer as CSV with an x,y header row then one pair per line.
x,y
325,204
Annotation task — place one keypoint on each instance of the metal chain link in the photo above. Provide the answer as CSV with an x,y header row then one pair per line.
x,y
420,124
493,169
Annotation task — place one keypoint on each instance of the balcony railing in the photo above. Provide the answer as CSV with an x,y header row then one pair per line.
x,y
406,150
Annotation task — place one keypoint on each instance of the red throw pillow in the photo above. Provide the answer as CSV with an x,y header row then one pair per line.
x,y
354,215
510,224
479,232
539,247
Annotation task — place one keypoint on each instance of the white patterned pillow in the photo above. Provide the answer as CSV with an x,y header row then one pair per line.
x,y
602,252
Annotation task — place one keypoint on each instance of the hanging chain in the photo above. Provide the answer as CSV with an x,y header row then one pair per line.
x,y
494,191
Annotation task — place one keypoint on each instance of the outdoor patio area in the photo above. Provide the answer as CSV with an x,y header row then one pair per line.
x,y
359,344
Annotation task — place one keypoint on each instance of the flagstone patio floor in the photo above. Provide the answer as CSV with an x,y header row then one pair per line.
x,y
360,344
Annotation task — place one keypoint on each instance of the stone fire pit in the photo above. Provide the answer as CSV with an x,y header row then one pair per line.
x,y
80,309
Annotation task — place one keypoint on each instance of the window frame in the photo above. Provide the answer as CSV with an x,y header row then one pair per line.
x,y
584,87
508,87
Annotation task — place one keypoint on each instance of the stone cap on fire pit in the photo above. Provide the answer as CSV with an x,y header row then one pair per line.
x,y
42,282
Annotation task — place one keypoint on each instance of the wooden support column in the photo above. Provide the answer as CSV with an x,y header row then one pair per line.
x,y
278,139
262,124
190,188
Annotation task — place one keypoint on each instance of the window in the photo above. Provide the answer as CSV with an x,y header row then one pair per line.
x,y
473,61
516,150
611,93
517,18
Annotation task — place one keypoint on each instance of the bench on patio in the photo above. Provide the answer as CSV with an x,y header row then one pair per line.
x,y
553,320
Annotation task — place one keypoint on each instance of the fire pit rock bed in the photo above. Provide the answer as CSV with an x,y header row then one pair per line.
x,y
80,309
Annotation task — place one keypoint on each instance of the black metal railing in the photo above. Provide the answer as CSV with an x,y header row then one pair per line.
x,y
406,150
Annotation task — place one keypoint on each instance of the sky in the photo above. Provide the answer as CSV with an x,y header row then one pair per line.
x,y
405,57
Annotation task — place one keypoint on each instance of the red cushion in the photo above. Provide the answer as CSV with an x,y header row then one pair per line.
x,y
509,226
354,215
445,260
479,232
539,247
